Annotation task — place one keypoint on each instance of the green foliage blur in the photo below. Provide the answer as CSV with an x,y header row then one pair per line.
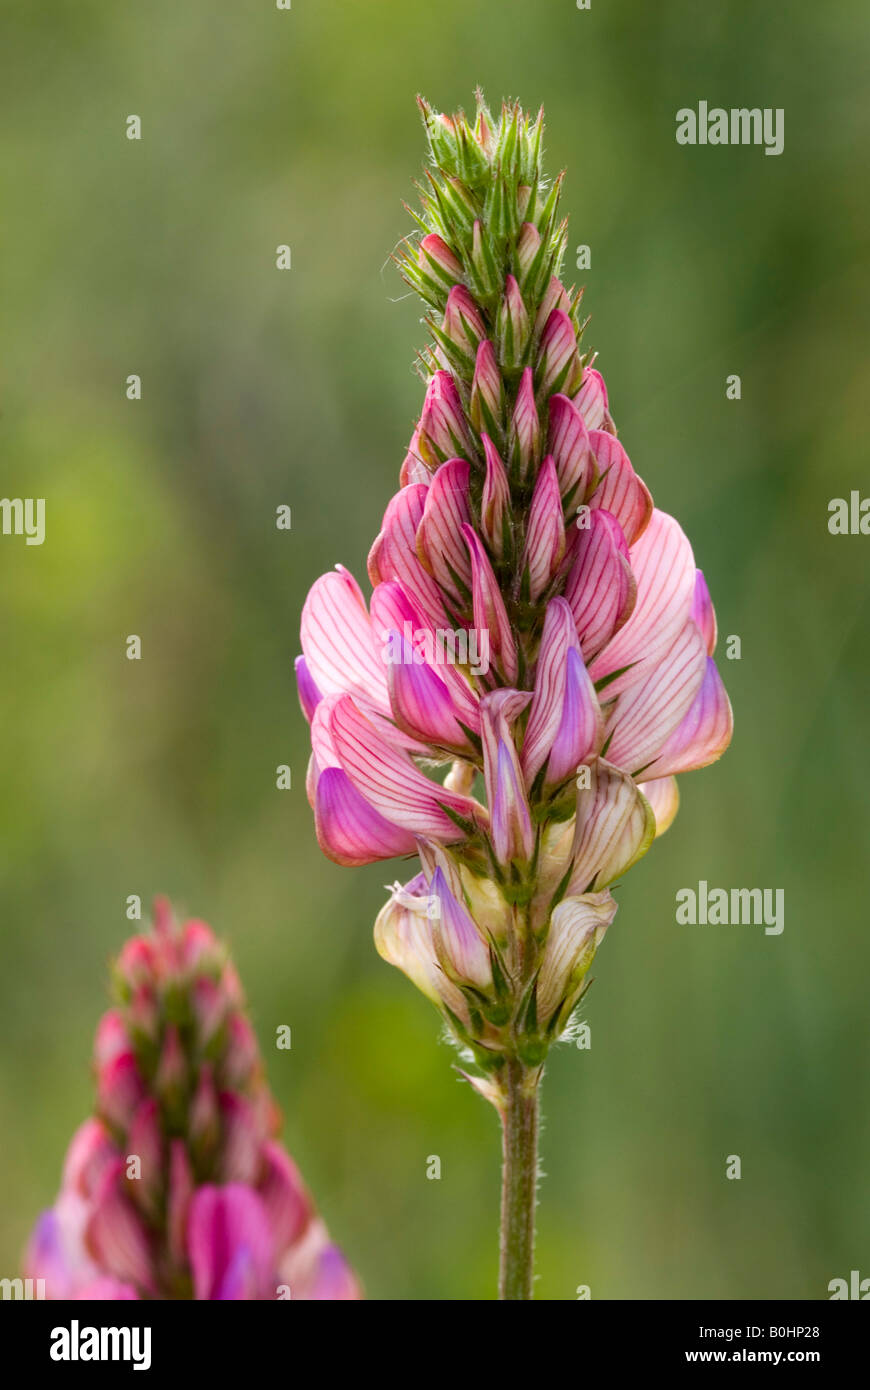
x,y
262,388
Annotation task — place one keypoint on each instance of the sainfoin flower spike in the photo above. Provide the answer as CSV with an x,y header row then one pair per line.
x,y
535,664
178,1186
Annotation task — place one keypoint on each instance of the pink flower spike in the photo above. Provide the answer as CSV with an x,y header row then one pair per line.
x,y
545,537
490,614
565,725
439,540
230,1245
460,948
495,519
568,442
702,612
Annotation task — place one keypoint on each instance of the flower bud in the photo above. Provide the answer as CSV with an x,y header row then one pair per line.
x,y
512,326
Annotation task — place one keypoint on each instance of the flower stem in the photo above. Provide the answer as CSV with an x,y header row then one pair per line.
x,y
519,1179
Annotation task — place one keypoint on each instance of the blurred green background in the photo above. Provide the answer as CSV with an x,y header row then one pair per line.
x,y
260,388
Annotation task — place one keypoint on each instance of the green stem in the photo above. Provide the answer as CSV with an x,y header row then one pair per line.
x,y
519,1179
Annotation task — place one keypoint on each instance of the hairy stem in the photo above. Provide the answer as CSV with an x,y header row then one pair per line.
x,y
519,1179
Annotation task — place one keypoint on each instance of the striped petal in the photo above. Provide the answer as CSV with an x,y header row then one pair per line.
x,y
576,929
565,723
558,360
568,442
545,536
591,399
394,552
349,830
461,950
439,534
511,832
393,610
646,715
338,643
614,827
601,587
490,614
704,732
495,506
524,437
420,699
391,782
619,489
664,569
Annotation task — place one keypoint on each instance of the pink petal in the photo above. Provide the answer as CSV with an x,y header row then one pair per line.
x,y
458,943
568,442
421,700
490,614
591,399
613,829
558,360
391,782
338,643
309,694
704,732
648,712
439,534
116,1235
511,833
600,588
663,795
524,438
394,553
393,610
231,1248
283,1194
702,612
545,536
565,722
620,490
495,517
664,568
